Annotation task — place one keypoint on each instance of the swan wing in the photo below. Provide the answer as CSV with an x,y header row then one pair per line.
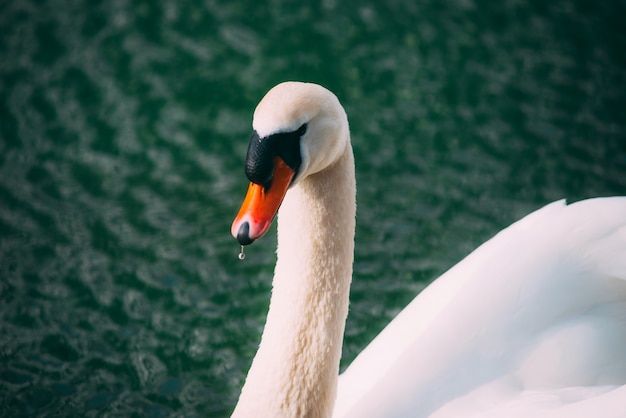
x,y
538,309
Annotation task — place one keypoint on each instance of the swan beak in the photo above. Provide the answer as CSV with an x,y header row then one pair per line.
x,y
261,205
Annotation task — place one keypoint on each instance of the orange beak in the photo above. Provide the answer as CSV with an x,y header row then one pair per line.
x,y
261,205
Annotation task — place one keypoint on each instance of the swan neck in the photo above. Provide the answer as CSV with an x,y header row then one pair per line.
x,y
296,367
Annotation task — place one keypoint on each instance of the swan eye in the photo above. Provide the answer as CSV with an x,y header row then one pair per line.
x,y
262,151
287,147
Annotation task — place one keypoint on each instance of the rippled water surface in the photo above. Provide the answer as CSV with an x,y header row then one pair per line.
x,y
123,128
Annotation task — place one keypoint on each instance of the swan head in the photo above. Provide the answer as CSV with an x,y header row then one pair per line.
x,y
299,129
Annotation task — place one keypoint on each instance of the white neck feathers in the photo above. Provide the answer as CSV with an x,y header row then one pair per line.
x,y
294,373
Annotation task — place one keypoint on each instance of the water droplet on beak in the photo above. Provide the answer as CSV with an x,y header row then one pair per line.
x,y
242,255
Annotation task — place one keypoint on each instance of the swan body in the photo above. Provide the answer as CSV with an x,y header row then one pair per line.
x,y
532,323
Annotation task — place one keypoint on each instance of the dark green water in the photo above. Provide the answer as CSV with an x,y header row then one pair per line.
x,y
123,128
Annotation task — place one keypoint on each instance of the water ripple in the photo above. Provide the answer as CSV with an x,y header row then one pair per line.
x,y
123,130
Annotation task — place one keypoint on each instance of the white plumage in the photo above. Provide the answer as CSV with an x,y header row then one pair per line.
x,y
531,324
532,321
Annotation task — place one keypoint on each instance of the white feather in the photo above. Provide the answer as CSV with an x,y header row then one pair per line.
x,y
531,324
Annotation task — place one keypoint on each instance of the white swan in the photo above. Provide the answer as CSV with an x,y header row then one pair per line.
x,y
532,323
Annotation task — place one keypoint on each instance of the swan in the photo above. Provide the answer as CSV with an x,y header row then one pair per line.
x,y
532,323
